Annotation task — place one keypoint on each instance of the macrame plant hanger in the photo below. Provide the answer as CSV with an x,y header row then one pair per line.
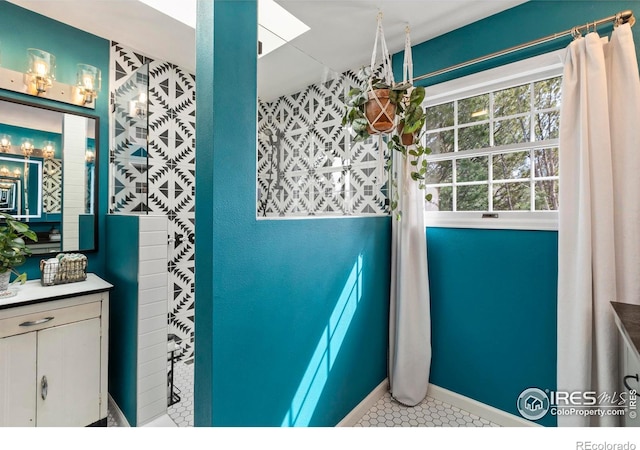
x,y
380,111
407,78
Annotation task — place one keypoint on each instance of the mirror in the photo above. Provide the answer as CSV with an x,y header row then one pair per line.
x,y
47,174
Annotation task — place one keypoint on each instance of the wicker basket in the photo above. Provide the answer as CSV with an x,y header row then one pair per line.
x,y
64,268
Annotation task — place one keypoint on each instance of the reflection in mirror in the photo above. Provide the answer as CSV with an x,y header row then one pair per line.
x,y
47,174
21,177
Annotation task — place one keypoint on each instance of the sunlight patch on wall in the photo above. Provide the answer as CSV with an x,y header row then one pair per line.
x,y
315,377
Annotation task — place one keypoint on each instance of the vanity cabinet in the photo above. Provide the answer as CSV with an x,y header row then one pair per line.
x,y
53,355
627,318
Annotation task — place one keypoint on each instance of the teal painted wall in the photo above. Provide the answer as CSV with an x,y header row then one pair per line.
x,y
123,312
21,29
493,312
291,315
493,293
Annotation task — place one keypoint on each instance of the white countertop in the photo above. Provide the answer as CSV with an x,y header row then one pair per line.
x,y
33,291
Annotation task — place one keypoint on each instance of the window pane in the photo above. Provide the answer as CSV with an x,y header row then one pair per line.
x,y
511,197
509,166
547,93
439,116
547,162
472,169
547,125
439,172
511,131
442,199
473,109
547,195
473,137
441,142
473,198
512,101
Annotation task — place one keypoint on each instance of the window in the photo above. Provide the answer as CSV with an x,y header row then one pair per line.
x,y
494,147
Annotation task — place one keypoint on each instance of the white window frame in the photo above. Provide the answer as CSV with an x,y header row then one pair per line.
x,y
533,69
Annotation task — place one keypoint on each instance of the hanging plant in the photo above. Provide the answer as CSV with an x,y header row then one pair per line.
x,y
378,106
373,106
409,137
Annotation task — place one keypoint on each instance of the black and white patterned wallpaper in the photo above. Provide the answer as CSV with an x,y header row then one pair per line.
x,y
307,162
168,181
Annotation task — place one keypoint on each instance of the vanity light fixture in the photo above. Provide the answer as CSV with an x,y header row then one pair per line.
x,y
89,156
88,82
27,147
48,150
17,172
40,72
5,142
4,171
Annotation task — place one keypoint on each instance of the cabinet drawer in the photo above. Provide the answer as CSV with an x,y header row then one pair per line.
x,y
45,319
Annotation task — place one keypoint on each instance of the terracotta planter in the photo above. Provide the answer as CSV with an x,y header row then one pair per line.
x,y
380,113
407,138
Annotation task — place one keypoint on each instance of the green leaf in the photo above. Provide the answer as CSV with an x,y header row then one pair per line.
x,y
428,197
417,95
21,278
402,86
360,125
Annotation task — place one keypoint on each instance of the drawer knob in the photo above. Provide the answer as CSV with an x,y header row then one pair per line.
x,y
36,322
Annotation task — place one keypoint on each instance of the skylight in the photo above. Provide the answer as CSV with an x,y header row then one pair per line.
x,y
277,26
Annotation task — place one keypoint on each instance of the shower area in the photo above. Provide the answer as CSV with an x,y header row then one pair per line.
x,y
152,182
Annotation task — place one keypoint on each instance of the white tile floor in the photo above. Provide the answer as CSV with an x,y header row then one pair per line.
x,y
430,413
182,412
385,413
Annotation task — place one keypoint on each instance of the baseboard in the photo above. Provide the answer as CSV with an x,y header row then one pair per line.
x,y
117,413
483,410
365,405
495,415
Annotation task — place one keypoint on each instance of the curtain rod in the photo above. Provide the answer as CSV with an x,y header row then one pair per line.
x,y
618,19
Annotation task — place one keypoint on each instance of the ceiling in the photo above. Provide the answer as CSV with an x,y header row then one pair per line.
x,y
341,37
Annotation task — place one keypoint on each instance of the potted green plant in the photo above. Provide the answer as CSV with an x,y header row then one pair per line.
x,y
408,141
405,138
372,107
13,249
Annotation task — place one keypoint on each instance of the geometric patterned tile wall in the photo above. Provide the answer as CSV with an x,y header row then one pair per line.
x,y
307,162
52,185
170,174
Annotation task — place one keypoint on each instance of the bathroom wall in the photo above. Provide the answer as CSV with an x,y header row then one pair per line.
x,y
493,292
22,29
169,177
291,314
310,166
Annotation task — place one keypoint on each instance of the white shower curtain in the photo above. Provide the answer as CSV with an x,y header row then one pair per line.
x,y
410,314
599,217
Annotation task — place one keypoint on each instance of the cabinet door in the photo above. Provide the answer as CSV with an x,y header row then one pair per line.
x,y
68,379
17,375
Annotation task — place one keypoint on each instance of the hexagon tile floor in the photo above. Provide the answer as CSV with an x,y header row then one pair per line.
x,y
181,412
430,413
385,413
